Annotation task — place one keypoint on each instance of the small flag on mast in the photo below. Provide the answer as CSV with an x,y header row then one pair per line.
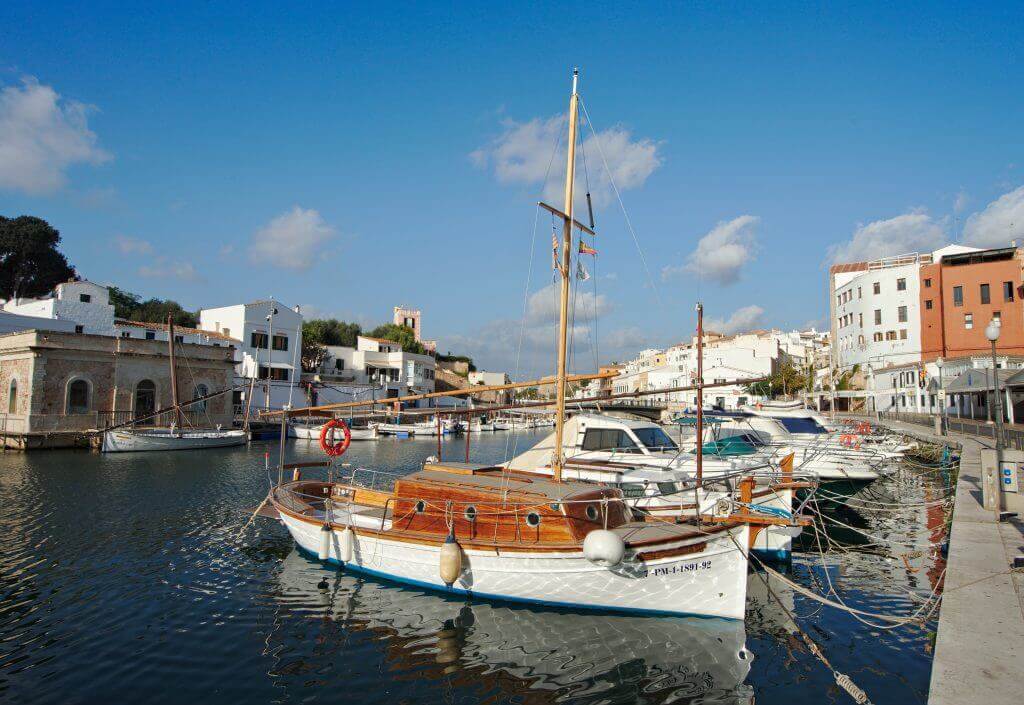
x,y
554,251
586,249
581,272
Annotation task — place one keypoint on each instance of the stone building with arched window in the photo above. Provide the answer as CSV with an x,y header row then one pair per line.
x,y
59,387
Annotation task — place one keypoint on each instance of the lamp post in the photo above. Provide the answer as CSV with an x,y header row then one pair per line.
x,y
992,333
942,395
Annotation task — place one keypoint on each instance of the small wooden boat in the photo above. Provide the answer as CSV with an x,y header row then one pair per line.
x,y
127,440
311,432
489,533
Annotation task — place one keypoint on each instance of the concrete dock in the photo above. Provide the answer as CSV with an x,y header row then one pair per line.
x,y
979,652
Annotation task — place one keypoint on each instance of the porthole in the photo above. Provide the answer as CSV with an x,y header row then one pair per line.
x,y
591,512
470,513
421,506
533,519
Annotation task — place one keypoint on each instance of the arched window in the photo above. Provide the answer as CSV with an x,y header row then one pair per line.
x,y
145,398
78,397
201,390
12,397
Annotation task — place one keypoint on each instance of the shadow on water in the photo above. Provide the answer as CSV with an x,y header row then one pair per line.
x,y
129,577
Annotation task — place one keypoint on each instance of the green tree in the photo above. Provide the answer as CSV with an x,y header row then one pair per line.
x,y
124,302
786,379
313,354
331,331
30,263
403,335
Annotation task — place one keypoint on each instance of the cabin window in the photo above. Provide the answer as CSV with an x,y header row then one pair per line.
x,y
78,397
79,329
631,491
12,397
591,512
533,519
655,439
667,488
614,439
150,335
420,506
470,513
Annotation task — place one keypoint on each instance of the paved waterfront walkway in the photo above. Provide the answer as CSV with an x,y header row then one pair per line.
x,y
979,652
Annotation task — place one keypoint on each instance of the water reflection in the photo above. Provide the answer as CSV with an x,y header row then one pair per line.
x,y
512,649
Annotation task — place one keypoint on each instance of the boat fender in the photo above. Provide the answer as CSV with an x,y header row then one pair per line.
x,y
346,544
325,543
296,475
604,548
451,560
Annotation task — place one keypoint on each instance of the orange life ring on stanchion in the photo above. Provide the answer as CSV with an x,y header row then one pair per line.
x,y
335,449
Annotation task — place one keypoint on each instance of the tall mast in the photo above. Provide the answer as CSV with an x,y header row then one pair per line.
x,y
700,396
174,371
563,311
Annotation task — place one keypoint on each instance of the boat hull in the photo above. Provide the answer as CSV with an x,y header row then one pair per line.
x,y
710,583
132,442
312,433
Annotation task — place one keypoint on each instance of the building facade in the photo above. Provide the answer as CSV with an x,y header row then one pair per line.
x,y
269,348
59,386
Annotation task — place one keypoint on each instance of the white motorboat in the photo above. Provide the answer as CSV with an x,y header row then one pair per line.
x,y
657,476
127,440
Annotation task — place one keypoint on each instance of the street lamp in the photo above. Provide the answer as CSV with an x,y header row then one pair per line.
x,y
942,395
992,331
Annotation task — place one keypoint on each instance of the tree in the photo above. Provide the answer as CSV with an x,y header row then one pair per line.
x,y
124,302
313,354
30,263
130,307
786,379
331,332
403,335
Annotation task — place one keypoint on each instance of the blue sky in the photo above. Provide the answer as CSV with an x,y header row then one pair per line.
x,y
396,151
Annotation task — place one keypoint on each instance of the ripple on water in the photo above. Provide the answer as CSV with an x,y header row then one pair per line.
x,y
129,577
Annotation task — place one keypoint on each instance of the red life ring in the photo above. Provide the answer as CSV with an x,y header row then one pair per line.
x,y
335,449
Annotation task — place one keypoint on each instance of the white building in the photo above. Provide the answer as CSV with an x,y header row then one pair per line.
x,y
86,304
270,348
374,368
876,309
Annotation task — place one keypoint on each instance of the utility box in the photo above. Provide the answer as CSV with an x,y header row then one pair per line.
x,y
1001,483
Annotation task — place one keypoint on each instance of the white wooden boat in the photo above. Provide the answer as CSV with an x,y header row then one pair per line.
x,y
520,539
164,439
311,432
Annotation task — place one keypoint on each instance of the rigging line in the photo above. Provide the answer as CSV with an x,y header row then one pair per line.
x,y
529,274
618,197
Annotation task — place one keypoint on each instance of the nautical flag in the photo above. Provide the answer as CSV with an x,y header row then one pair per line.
x,y
586,249
554,251
581,272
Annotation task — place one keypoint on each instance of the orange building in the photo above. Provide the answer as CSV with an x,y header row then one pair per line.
x,y
961,293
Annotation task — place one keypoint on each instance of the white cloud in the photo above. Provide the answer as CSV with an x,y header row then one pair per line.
x,y
1000,222
132,246
164,268
961,201
525,154
292,240
41,136
543,306
911,232
741,321
721,254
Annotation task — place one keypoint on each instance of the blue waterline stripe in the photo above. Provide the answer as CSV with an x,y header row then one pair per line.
x,y
387,577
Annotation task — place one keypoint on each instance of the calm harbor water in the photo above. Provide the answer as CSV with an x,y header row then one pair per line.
x,y
129,576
